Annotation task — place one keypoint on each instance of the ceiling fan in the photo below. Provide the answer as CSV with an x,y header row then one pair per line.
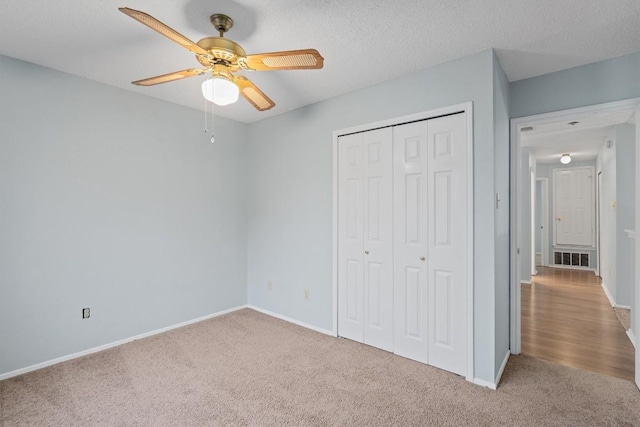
x,y
222,57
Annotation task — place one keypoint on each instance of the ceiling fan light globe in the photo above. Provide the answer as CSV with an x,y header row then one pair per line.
x,y
220,91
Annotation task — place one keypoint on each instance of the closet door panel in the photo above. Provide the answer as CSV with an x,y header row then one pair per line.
x,y
350,238
410,241
365,253
378,238
447,243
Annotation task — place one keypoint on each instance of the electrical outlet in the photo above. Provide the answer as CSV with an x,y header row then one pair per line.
x,y
306,294
269,285
86,313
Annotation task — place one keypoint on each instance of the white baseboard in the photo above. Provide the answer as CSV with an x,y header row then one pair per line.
x,y
504,365
608,294
494,385
113,344
632,337
612,301
294,321
483,383
573,267
526,282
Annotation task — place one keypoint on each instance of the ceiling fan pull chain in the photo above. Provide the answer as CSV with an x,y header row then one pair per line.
x,y
213,118
206,128
205,117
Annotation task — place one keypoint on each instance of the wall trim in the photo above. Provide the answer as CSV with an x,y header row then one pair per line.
x,y
494,385
516,189
485,383
632,337
502,367
114,344
573,267
294,321
612,301
526,282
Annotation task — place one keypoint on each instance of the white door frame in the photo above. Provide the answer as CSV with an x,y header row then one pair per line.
x,y
516,208
637,228
544,219
467,108
598,219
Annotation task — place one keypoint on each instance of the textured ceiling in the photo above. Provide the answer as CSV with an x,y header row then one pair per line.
x,y
364,42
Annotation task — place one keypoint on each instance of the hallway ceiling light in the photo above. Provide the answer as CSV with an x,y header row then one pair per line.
x,y
565,159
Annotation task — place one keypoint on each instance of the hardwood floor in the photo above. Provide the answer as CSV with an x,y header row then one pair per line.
x,y
567,319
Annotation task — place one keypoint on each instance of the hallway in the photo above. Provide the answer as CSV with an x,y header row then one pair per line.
x,y
567,319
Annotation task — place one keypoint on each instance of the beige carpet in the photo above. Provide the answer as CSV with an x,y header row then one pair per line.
x,y
246,368
624,317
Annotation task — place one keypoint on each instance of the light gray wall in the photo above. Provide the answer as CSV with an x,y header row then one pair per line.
x,y
501,179
625,211
108,210
591,84
290,192
113,201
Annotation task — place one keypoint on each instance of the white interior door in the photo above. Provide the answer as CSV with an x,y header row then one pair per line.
x,y
447,260
574,206
410,240
365,252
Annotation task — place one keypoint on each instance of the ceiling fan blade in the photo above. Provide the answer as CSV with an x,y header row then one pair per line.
x,y
252,94
163,29
189,72
305,59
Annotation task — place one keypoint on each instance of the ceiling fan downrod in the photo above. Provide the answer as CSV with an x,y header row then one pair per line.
x,y
221,22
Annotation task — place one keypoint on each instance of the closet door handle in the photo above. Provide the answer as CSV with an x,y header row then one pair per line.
x,y
366,252
421,258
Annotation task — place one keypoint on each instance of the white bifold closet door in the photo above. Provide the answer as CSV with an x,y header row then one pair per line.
x,y
430,242
402,240
365,258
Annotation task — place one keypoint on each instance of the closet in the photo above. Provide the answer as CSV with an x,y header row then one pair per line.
x,y
402,240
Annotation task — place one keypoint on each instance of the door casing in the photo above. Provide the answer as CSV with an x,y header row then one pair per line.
x,y
516,209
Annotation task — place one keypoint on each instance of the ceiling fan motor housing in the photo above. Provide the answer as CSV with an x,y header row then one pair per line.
x,y
224,50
